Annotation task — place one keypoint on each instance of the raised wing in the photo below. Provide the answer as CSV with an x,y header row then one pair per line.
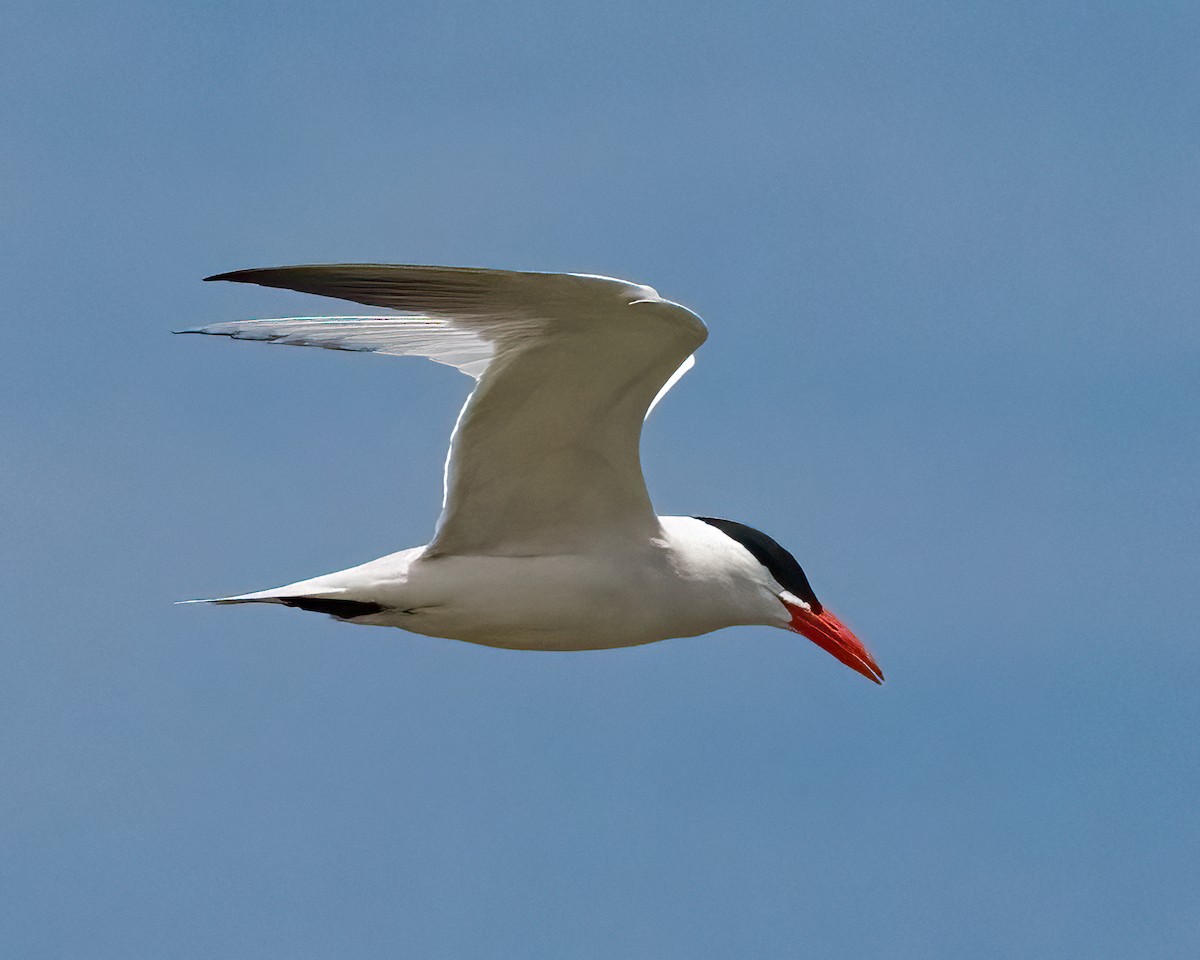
x,y
544,457
430,337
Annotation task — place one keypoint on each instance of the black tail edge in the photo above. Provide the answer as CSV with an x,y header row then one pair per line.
x,y
342,609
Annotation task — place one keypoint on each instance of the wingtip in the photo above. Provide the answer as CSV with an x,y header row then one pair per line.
x,y
250,275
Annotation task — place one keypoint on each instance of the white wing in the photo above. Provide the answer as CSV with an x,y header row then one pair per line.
x,y
544,457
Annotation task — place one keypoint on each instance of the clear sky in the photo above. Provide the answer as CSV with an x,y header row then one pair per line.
x,y
948,256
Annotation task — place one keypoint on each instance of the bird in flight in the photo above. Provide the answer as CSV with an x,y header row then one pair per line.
x,y
547,538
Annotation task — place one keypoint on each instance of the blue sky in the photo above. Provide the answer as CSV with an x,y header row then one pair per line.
x,y
947,254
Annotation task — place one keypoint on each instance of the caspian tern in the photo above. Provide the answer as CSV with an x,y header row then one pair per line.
x,y
547,538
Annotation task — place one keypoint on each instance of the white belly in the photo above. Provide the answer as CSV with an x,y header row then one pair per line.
x,y
543,603
693,581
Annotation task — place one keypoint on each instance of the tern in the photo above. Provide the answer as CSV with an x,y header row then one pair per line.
x,y
547,538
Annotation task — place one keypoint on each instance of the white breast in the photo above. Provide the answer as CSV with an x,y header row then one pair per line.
x,y
689,581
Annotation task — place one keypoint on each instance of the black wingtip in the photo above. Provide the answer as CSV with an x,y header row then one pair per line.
x,y
234,275
335,607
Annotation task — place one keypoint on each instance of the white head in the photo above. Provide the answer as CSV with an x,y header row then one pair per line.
x,y
780,591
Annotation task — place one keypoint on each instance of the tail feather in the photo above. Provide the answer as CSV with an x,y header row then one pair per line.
x,y
339,594
337,607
